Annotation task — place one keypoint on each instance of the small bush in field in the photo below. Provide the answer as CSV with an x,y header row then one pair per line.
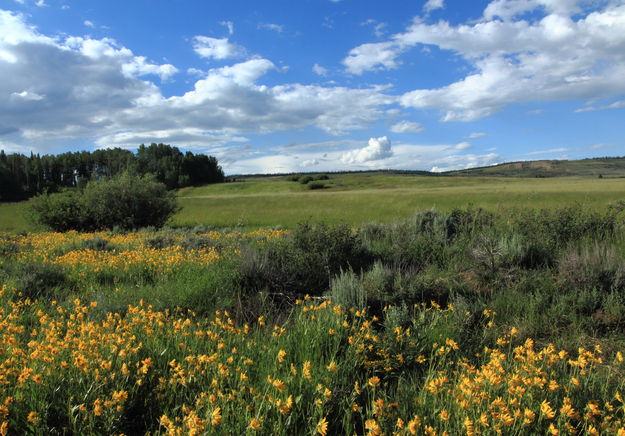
x,y
346,289
125,202
292,178
306,179
304,261
316,185
597,267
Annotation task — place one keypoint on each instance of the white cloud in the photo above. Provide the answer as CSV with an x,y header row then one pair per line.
x,y
520,51
462,145
476,135
378,27
372,56
329,157
28,96
279,28
96,90
89,23
229,25
431,5
216,48
377,149
407,127
616,105
319,70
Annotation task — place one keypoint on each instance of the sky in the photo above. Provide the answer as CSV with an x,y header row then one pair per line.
x,y
279,86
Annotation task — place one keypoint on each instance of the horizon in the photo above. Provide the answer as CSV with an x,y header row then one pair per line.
x,y
317,85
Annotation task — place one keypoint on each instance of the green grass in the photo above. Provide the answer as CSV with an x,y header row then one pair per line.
x,y
362,197
358,198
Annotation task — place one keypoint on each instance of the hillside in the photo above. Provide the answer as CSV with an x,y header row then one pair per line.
x,y
595,167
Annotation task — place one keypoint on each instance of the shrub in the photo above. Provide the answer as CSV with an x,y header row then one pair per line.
x,y
304,180
321,177
125,202
292,178
304,261
316,185
347,289
597,266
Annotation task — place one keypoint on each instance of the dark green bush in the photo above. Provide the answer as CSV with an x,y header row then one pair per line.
x,y
316,185
292,178
321,177
125,202
304,180
304,261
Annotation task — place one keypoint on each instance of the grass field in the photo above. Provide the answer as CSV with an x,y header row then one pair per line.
x,y
359,198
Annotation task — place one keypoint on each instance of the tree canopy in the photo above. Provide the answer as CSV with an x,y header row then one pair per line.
x,y
23,176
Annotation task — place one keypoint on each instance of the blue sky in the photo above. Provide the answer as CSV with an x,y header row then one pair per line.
x,y
317,85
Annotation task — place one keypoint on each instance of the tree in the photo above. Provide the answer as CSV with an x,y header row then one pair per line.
x,y
126,201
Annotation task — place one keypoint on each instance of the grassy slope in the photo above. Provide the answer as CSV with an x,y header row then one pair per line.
x,y
607,167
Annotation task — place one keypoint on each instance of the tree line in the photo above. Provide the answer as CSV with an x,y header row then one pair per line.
x,y
22,176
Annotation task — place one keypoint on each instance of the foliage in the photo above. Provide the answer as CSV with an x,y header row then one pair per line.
x,y
305,260
24,176
126,201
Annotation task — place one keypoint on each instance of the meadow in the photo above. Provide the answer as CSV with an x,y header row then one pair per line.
x,y
259,202
482,316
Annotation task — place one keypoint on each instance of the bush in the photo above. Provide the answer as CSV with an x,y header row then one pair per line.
x,y
305,261
304,180
597,267
292,178
125,202
316,185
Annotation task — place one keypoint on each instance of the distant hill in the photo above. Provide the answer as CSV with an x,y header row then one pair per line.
x,y
595,167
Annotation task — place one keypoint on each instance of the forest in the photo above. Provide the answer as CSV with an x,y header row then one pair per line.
x,y
22,177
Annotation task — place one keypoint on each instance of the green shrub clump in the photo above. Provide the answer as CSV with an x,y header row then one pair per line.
x,y
125,202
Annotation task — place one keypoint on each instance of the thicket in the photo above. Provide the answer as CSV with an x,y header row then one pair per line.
x,y
124,202
23,176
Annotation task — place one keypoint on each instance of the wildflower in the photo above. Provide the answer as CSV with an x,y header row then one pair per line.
x,y
306,370
374,381
429,430
414,424
468,424
216,416
546,410
33,417
331,366
254,424
444,415
322,427
553,430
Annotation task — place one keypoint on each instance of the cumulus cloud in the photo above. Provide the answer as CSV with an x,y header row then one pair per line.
x,y
376,149
372,56
405,126
519,51
216,48
96,90
329,157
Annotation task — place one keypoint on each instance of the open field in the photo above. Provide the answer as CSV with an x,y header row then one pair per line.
x,y
358,198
